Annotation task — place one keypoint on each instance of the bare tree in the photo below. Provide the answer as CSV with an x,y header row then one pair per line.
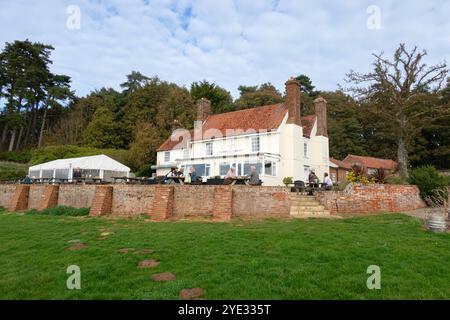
x,y
393,85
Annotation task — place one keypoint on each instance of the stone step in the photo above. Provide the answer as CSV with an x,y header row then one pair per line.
x,y
308,208
321,214
293,197
304,203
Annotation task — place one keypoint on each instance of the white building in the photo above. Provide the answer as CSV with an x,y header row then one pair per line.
x,y
275,138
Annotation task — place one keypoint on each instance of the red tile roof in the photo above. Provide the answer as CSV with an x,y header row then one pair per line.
x,y
371,162
341,164
259,119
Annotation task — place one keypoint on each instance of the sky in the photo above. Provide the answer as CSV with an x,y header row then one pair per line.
x,y
229,42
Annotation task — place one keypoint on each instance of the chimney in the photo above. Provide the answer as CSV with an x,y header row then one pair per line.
x,y
203,109
176,125
320,104
293,101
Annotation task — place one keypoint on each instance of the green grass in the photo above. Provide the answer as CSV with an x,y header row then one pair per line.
x,y
62,211
298,259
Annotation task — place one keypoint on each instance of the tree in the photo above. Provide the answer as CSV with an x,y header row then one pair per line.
x,y
306,85
345,131
256,96
58,92
221,100
135,81
392,86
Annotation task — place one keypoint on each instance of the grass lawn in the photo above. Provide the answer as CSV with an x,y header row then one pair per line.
x,y
298,259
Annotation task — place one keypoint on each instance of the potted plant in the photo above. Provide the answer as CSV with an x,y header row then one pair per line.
x,y
287,181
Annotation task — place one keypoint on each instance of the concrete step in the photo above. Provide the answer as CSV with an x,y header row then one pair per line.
x,y
308,208
322,214
304,203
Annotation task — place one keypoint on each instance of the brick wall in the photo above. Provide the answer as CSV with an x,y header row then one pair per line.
x,y
19,200
77,196
361,199
129,200
260,202
6,194
193,201
102,202
36,195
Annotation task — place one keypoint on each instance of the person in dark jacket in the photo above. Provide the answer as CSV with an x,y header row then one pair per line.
x,y
253,177
27,180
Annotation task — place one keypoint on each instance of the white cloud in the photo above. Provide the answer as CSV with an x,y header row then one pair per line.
x,y
229,42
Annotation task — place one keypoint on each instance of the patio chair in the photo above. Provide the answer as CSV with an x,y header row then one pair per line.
x,y
299,186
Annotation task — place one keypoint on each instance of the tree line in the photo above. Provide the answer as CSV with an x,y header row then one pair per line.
x,y
400,110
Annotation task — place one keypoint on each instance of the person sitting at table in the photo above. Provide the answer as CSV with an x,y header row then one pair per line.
x,y
180,173
231,176
27,180
327,181
253,177
312,178
171,173
192,175
76,176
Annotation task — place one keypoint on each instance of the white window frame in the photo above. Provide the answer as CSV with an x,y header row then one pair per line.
x,y
305,150
185,153
209,149
256,144
167,156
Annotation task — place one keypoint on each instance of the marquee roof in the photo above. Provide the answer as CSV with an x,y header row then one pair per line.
x,y
100,162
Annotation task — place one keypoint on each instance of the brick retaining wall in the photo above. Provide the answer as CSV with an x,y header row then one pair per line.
x,y
364,199
6,194
162,202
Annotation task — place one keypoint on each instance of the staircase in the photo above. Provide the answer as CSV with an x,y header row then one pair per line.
x,y
303,206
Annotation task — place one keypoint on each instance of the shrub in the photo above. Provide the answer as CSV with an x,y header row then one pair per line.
x,y
379,176
357,175
13,156
427,178
11,173
144,171
2,210
396,180
288,180
62,211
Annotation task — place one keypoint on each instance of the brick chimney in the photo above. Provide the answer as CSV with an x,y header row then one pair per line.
x,y
203,109
320,104
293,101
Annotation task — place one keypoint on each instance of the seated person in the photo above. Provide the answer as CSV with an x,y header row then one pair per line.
x,y
180,173
231,176
171,173
76,176
27,180
253,176
312,178
328,182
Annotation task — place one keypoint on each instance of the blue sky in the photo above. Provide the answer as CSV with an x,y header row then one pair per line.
x,y
229,42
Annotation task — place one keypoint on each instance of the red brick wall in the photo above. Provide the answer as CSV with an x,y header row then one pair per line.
x,y
223,203
49,197
260,201
129,200
6,194
363,199
77,196
193,201
102,202
162,207
19,201
36,195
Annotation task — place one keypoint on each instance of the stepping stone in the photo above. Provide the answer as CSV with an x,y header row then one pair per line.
x,y
190,294
126,250
146,251
74,241
77,246
165,276
104,234
150,263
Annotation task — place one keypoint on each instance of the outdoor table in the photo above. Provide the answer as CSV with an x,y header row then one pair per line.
x,y
173,180
244,180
